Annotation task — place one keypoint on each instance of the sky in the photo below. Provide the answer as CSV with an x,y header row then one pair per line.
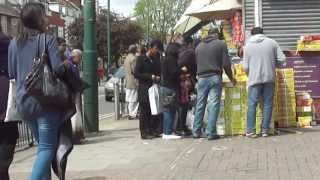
x,y
124,7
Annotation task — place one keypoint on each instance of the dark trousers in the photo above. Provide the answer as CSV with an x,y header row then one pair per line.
x,y
8,139
182,117
149,125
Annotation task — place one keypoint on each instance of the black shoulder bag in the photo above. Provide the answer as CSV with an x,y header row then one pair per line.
x,y
43,83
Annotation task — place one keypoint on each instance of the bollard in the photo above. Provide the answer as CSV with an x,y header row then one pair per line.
x,y
116,100
122,98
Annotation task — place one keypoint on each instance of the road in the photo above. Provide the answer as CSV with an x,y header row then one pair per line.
x,y
105,108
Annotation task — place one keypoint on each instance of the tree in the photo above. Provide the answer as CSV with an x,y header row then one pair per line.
x,y
124,32
163,15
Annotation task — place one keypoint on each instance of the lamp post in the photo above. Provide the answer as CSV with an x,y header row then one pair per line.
x,y
91,120
109,37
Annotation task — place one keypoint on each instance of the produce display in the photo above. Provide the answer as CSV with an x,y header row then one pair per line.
x,y
309,43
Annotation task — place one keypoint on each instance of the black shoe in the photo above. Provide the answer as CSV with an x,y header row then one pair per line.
x,y
131,118
213,137
183,132
147,137
156,135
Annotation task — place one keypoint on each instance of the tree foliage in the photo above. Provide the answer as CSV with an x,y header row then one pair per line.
x,y
163,15
124,32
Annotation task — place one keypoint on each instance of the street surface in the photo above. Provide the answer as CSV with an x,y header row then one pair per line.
x,y
105,107
118,153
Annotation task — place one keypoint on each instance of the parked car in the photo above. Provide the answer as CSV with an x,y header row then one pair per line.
x,y
117,77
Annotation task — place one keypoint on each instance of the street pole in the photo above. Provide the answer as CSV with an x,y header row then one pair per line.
x,y
90,68
109,37
148,19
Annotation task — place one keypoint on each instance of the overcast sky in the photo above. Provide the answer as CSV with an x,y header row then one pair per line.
x,y
124,7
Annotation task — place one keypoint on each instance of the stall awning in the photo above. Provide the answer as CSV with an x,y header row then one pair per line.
x,y
218,10
187,23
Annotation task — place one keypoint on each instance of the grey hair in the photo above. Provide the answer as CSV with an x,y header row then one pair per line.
x,y
76,51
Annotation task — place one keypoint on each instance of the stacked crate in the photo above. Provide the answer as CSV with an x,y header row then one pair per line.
x,y
221,126
304,109
285,106
235,109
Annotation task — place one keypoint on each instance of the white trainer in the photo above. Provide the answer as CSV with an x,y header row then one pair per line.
x,y
170,137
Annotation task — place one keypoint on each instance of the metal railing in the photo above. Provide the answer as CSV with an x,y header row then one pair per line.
x,y
119,99
26,138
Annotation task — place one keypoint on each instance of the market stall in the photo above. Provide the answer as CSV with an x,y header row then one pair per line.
x,y
294,25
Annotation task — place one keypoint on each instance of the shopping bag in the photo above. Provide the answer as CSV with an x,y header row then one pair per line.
x,y
12,112
190,119
154,99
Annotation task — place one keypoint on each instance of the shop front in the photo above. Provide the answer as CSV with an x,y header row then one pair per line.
x,y
295,25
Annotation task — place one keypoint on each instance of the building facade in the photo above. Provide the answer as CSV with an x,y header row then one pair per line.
x,y
283,20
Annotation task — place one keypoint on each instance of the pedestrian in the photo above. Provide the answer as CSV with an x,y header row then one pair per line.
x,y
69,132
45,120
188,70
212,57
261,56
62,48
141,51
147,72
8,130
100,70
169,87
131,83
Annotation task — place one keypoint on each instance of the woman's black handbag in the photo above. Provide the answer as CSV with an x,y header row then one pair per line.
x,y
43,83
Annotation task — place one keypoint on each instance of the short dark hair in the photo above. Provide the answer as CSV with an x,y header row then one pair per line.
x,y
256,30
173,50
142,49
156,43
61,41
188,40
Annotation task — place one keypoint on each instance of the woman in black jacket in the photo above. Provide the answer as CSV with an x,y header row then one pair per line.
x,y
8,130
169,88
147,71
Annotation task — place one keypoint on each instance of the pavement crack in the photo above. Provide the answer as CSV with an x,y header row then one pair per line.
x,y
202,158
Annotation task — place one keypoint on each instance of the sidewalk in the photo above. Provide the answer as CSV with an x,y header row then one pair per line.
x,y
118,153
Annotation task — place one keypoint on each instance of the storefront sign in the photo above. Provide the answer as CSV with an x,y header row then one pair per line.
x,y
306,74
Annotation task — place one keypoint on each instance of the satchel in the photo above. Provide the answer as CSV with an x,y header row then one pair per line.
x,y
168,100
44,84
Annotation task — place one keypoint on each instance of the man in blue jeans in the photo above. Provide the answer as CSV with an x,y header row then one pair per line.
x,y
212,57
261,55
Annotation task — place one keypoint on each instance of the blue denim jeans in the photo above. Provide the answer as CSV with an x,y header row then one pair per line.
x,y
45,129
266,92
169,112
208,92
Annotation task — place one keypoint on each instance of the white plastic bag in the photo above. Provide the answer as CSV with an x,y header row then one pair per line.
x,y
76,119
190,119
12,112
154,99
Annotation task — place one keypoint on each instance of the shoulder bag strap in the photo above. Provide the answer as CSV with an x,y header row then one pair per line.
x,y
45,52
38,46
